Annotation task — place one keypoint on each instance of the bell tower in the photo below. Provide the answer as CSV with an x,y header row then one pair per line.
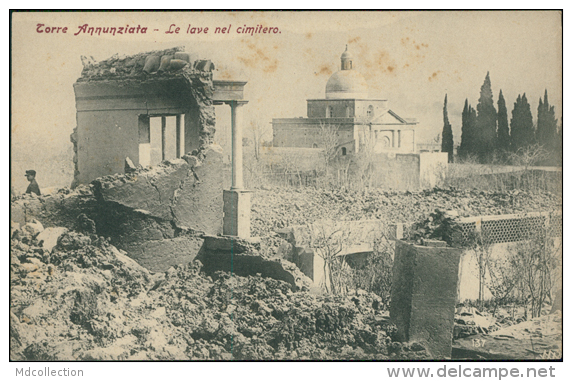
x,y
347,60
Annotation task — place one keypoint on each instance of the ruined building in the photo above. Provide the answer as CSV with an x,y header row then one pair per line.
x,y
144,140
359,118
148,107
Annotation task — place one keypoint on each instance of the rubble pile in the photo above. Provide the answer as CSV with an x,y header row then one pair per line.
x,y
70,298
282,207
84,299
140,65
470,321
438,226
60,208
156,215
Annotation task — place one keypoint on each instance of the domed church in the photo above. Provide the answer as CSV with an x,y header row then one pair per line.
x,y
360,120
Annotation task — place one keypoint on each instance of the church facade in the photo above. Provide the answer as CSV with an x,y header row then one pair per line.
x,y
360,121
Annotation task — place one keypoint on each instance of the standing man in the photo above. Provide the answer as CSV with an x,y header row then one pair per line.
x,y
33,187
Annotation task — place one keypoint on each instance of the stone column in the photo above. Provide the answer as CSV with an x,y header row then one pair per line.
x,y
236,220
424,294
236,120
178,139
163,137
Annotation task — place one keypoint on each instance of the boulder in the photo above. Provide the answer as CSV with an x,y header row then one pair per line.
x,y
165,62
152,63
129,166
34,227
177,64
182,56
49,237
13,227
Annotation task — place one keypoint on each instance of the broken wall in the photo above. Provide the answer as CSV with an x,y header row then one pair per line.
x,y
243,257
158,216
432,168
409,171
358,237
58,209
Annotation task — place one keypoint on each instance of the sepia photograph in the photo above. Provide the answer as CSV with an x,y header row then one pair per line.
x,y
286,186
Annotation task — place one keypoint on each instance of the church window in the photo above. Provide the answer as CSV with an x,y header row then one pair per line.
x,y
386,141
344,152
370,111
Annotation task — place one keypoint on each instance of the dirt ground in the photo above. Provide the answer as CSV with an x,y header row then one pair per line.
x,y
513,339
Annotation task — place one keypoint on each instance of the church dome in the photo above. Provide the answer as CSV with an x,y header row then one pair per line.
x,y
346,84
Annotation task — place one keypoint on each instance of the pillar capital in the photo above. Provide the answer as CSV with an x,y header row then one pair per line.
x,y
236,103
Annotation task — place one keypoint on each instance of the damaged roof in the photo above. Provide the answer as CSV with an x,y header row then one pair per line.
x,y
158,63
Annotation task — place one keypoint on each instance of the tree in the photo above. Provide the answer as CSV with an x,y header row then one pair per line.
x,y
486,121
503,133
558,144
528,156
468,130
546,124
535,259
364,166
502,281
329,240
375,274
521,126
328,135
481,246
257,134
447,140
291,163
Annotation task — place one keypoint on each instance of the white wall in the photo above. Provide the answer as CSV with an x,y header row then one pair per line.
x,y
469,270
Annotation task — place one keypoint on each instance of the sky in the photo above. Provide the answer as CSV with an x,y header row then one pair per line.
x,y
413,59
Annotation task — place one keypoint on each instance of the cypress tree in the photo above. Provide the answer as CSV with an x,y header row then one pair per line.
x,y
469,132
447,134
558,144
521,126
546,124
503,133
466,133
486,120
472,123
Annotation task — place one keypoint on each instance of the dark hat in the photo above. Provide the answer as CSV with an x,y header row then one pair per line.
x,y
30,172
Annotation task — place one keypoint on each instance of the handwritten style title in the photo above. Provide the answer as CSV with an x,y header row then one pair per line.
x,y
173,29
